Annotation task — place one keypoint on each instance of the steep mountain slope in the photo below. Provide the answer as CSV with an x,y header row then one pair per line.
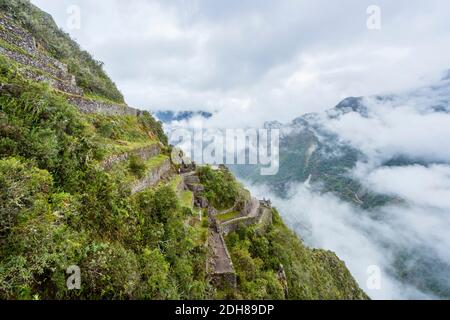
x,y
87,181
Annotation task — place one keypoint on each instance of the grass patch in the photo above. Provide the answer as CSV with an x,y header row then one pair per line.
x,y
186,199
228,216
175,182
155,162
96,97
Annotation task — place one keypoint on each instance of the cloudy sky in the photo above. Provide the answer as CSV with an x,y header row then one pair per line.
x,y
254,61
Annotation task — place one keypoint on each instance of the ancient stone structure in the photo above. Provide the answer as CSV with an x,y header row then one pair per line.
x,y
152,177
42,68
17,36
260,214
192,182
220,267
87,105
144,153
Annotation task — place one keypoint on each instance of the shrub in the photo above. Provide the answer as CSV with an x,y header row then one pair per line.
x,y
221,189
137,166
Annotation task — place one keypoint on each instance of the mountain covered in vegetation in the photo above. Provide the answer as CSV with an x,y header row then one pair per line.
x,y
87,181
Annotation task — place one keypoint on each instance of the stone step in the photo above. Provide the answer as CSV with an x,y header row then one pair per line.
x,y
192,179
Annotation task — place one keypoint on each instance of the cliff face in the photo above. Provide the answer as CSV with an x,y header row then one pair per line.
x,y
87,181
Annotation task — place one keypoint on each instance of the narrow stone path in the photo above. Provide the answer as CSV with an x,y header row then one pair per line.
x,y
222,261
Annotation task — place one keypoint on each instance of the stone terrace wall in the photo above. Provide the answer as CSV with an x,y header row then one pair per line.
x,y
40,62
64,86
17,36
93,106
220,266
54,72
152,178
144,153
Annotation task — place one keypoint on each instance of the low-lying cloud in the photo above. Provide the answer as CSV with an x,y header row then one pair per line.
x,y
324,221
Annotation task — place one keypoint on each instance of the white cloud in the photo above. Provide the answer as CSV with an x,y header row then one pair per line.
x,y
398,130
280,59
323,221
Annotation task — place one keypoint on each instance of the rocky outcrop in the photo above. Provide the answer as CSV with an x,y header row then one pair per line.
x,y
144,153
152,177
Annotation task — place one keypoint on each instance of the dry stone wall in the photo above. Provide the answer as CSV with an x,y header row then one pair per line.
x,y
52,71
87,105
220,265
144,153
152,177
17,36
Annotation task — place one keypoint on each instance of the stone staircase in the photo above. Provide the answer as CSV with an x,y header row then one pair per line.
x,y
220,266
192,181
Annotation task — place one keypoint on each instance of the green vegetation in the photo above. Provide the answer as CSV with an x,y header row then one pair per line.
x,y
187,199
137,166
59,208
89,72
310,274
227,216
221,188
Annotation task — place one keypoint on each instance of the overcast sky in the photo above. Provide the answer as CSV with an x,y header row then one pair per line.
x,y
255,61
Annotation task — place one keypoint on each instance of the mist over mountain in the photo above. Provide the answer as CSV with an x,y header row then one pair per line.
x,y
370,179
